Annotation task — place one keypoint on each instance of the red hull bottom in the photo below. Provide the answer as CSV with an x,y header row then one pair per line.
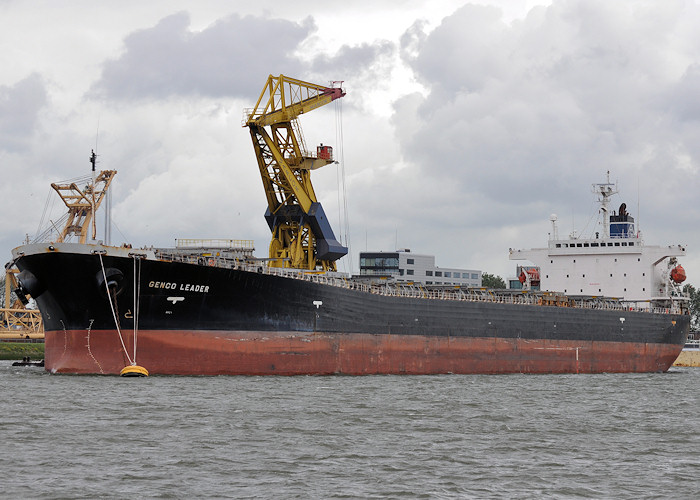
x,y
294,353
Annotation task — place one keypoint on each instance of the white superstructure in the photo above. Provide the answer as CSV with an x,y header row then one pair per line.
x,y
614,262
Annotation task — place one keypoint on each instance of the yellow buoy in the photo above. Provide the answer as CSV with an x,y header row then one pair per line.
x,y
133,371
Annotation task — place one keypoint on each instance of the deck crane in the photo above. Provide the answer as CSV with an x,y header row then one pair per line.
x,y
302,237
82,203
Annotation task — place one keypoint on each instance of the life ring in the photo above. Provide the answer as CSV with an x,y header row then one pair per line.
x,y
211,262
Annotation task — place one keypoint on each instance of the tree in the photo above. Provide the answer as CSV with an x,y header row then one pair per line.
x,y
694,295
492,281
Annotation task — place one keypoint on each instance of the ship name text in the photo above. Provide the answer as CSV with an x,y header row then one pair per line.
x,y
185,287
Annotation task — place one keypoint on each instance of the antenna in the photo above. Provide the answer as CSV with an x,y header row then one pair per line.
x,y
93,160
97,133
638,212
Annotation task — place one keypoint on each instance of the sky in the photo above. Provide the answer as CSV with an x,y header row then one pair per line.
x,y
465,124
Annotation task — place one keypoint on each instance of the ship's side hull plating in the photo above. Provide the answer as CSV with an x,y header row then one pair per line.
x,y
290,353
197,319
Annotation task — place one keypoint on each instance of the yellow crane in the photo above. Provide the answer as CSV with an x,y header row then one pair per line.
x,y
302,237
83,202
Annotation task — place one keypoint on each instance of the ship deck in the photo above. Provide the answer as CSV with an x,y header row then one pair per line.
x,y
388,287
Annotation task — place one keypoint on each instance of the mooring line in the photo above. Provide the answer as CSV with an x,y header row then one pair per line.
x,y
111,306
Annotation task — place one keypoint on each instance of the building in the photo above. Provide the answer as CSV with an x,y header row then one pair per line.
x,y
406,266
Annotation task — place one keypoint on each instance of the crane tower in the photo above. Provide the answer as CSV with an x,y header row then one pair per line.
x,y
302,237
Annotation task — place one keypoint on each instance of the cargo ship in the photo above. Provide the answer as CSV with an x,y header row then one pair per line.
x,y
211,309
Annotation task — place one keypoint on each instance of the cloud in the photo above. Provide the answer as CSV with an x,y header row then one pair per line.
x,y
355,60
519,118
684,98
569,88
229,58
20,106
461,136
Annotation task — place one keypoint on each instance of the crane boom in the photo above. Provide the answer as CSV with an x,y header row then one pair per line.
x,y
301,234
283,99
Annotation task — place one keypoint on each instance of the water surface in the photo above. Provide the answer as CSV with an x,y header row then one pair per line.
x,y
451,436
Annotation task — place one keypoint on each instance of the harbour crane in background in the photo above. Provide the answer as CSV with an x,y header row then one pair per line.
x,y
302,237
